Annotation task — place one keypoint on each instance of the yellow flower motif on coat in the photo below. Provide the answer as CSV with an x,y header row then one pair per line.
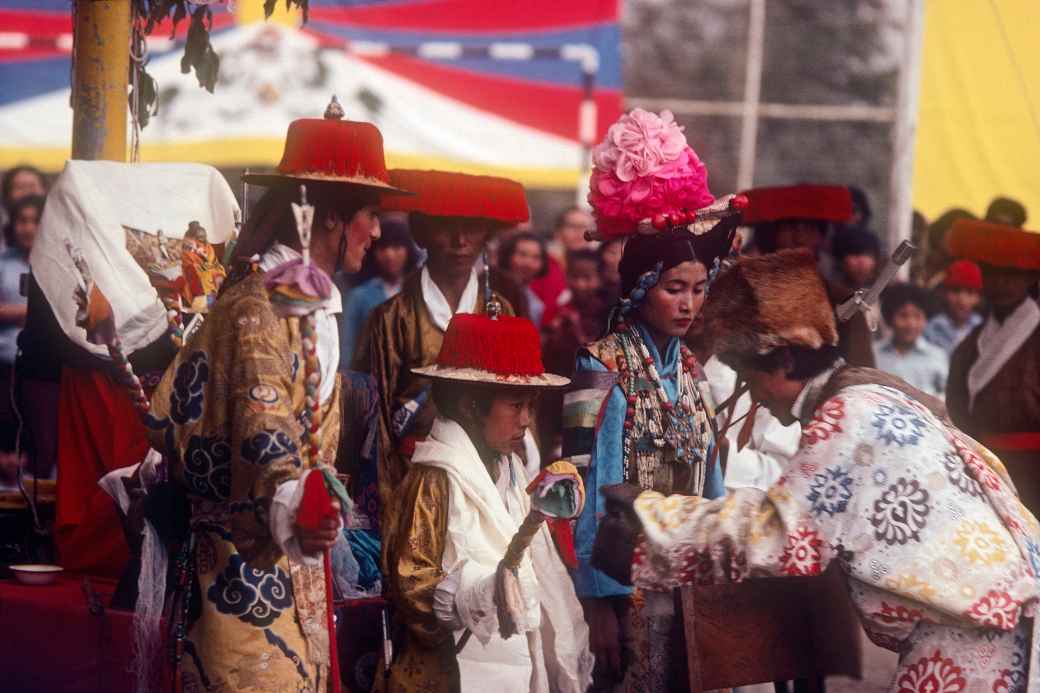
x,y
766,524
911,586
979,544
779,495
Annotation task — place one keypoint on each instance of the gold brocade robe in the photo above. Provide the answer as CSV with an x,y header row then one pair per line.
x,y
400,336
227,414
426,660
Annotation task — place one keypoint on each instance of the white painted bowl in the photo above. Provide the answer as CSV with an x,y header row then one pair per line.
x,y
36,573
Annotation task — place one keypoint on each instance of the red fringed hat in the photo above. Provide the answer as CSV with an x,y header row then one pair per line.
x,y
503,351
963,274
450,194
331,150
816,202
998,245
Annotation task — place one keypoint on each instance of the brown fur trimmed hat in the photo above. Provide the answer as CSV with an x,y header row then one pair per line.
x,y
763,303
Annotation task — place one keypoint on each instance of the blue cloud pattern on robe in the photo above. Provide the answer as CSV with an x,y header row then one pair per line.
x,y
187,393
255,596
207,467
267,446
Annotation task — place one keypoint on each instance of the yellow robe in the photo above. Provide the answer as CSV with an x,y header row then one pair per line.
x,y
227,416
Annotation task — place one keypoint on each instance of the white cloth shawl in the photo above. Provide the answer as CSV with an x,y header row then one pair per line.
x,y
998,342
437,304
479,530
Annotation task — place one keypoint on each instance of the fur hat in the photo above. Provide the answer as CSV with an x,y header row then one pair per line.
x,y
763,303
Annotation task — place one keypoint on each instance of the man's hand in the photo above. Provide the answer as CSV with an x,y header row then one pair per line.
x,y
618,533
315,542
604,638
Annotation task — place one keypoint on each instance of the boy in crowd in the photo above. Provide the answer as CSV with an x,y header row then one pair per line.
x,y
962,293
906,353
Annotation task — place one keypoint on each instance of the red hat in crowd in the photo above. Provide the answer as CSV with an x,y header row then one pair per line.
x,y
495,351
998,245
450,194
331,150
815,202
963,274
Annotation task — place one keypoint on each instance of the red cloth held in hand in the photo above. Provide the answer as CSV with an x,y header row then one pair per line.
x,y
316,504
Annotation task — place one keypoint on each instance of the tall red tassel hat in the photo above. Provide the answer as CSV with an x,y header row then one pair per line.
x,y
331,150
495,351
815,202
450,194
997,245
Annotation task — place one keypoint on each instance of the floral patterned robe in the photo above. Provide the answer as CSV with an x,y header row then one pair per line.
x,y
227,415
940,557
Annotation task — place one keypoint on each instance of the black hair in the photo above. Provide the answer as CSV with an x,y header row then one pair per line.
x,y
861,203
1004,210
36,201
898,295
10,174
801,363
450,395
585,255
561,218
272,219
938,229
855,241
393,232
508,248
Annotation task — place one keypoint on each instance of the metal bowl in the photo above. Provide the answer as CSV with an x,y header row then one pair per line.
x,y
36,573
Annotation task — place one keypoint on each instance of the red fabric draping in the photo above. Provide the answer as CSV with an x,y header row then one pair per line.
x,y
53,643
98,431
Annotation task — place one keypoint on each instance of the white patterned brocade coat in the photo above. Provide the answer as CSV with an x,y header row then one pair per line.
x,y
940,557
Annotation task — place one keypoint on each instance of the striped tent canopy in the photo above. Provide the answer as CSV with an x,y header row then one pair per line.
x,y
511,88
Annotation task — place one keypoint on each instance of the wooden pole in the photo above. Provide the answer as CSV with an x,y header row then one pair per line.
x,y
752,93
101,59
900,203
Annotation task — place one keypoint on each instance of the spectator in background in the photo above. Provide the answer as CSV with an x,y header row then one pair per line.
x,y
1004,210
962,293
524,258
861,212
19,233
393,257
856,251
906,353
568,235
22,181
938,256
580,321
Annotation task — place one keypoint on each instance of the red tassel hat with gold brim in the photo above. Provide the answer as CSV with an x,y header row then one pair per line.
x,y
331,150
460,195
997,245
478,349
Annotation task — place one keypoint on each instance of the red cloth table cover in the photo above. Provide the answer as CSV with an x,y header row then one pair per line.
x,y
53,643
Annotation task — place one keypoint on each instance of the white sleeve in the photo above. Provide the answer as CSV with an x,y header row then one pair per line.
x,y
465,598
762,461
284,506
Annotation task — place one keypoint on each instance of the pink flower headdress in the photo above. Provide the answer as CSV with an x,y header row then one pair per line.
x,y
647,178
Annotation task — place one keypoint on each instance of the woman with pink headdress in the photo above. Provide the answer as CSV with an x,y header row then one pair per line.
x,y
639,411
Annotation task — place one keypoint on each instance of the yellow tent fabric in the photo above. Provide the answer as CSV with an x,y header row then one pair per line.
x,y
978,133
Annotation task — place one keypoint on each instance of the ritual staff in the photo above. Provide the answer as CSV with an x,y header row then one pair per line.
x,y
938,553
451,216
800,216
994,386
251,404
640,411
461,502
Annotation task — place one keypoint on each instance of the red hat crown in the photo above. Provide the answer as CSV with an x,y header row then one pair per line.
x,y
963,274
451,194
333,150
818,202
504,346
998,245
